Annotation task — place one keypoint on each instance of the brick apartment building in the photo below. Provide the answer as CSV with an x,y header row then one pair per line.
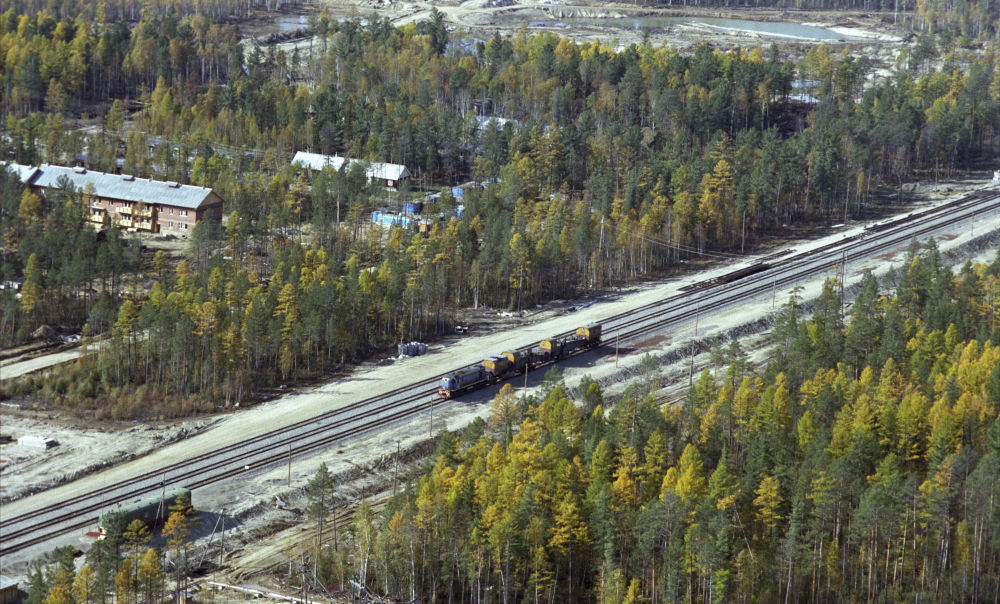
x,y
135,204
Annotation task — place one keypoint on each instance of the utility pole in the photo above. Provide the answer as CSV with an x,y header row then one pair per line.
x,y
289,465
843,280
430,431
774,287
618,338
694,346
395,469
743,231
222,537
600,244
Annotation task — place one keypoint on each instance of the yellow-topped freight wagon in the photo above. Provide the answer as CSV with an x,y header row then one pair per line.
x,y
591,333
550,347
508,363
496,365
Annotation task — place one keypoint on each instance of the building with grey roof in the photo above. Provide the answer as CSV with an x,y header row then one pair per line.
x,y
135,204
23,172
389,174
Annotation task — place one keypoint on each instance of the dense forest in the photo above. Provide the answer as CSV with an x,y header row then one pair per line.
x,y
862,463
614,165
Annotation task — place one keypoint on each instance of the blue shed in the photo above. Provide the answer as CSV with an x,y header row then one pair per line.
x,y
390,219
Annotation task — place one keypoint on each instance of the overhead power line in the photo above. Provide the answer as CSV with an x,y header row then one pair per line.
x,y
680,247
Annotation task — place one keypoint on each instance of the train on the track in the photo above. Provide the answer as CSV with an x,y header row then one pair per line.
x,y
151,510
513,362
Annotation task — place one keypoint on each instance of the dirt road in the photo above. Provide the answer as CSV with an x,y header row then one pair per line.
x,y
17,369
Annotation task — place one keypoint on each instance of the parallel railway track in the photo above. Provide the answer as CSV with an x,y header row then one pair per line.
x,y
762,283
321,431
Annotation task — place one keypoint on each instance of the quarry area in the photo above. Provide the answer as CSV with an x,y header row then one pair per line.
x,y
616,25
677,25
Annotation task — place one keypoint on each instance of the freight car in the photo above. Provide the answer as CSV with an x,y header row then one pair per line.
x,y
150,510
513,362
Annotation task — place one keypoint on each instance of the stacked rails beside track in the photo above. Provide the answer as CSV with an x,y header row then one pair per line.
x,y
776,255
746,271
628,325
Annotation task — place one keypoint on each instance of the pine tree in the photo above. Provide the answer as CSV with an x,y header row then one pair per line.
x,y
767,502
150,576
32,289
319,493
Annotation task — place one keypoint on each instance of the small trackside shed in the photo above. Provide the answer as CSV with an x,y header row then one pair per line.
x,y
389,175
134,204
8,590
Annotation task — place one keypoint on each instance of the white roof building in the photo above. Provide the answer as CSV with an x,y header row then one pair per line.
x,y
391,173
37,442
482,121
23,172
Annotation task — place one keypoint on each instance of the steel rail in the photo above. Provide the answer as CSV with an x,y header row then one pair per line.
x,y
785,279
222,450
85,521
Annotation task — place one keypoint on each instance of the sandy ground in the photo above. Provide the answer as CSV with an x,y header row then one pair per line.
x,y
507,16
25,470
13,370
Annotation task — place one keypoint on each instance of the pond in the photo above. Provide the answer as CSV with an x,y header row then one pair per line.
x,y
291,23
770,28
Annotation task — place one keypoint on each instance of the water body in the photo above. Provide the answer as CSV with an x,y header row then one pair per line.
x,y
769,28
291,23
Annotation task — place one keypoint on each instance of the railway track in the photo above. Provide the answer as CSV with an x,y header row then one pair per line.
x,y
194,478
226,461
261,451
761,283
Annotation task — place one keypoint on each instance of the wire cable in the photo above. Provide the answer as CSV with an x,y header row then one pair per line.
x,y
680,247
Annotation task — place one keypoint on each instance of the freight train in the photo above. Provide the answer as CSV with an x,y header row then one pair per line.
x,y
507,364
151,510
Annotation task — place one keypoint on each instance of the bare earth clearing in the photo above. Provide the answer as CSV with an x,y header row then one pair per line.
x,y
480,17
